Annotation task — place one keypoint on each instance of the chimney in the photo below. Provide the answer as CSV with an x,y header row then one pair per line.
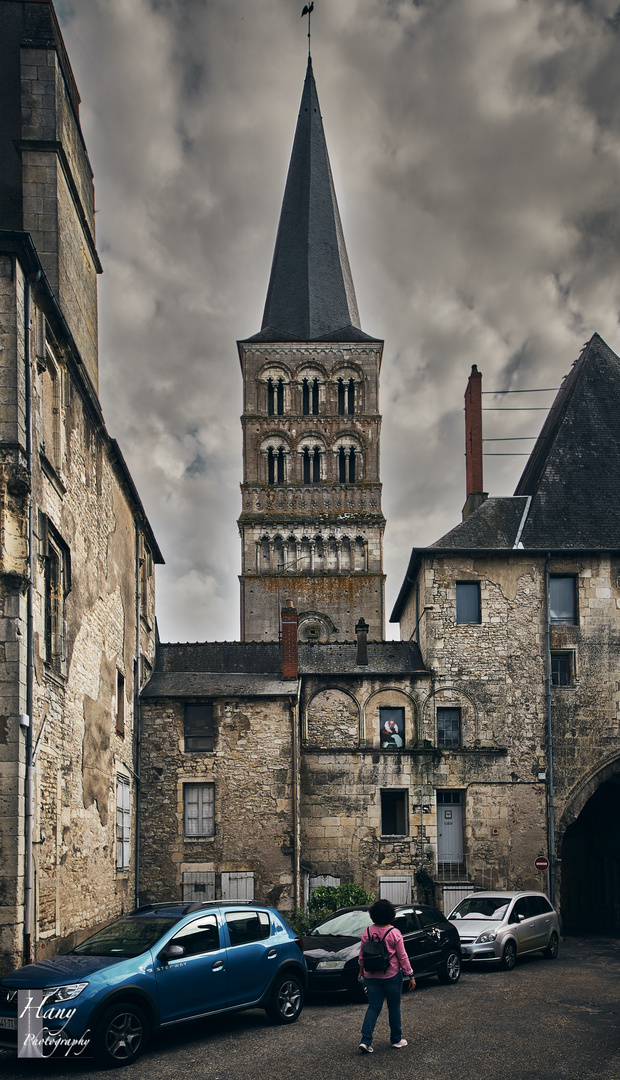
x,y
473,443
289,641
361,631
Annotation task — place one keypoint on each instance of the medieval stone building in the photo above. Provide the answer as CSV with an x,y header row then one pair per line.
x,y
489,734
77,553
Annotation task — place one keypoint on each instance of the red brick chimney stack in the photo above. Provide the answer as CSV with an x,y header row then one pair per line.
x,y
289,641
473,443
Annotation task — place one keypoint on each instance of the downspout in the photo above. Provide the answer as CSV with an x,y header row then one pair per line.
x,y
136,712
29,814
297,878
550,786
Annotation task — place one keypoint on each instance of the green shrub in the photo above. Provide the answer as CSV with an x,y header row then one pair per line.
x,y
328,898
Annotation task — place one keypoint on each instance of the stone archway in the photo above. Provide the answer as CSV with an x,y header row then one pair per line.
x,y
590,885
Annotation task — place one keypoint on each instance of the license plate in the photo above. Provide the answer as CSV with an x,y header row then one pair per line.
x,y
8,1023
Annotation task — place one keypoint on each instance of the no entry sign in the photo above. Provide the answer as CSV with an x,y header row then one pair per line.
x,y
541,863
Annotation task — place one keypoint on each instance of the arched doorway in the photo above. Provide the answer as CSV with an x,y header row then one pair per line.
x,y
591,864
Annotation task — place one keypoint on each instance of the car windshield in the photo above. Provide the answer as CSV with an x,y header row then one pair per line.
x,y
492,908
346,924
126,937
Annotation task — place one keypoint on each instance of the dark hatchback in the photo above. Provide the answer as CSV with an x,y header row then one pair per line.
x,y
331,949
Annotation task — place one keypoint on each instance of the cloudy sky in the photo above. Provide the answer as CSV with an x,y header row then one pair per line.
x,y
475,146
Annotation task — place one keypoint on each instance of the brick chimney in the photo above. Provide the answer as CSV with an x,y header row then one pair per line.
x,y
289,641
361,631
473,443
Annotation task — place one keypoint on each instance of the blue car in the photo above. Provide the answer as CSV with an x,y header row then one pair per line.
x,y
162,965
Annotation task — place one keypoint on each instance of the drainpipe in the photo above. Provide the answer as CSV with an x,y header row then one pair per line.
x,y
29,815
550,786
136,712
297,877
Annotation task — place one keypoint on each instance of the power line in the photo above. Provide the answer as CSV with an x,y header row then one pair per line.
x,y
538,390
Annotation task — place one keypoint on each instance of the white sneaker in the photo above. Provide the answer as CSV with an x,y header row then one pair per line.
x,y
399,1045
366,1049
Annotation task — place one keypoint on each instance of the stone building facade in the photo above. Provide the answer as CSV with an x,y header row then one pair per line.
x,y
450,760
76,573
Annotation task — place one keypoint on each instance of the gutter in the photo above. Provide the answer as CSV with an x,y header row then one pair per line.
x,y
550,782
30,758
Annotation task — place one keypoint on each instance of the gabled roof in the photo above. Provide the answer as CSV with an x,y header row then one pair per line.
x,y
310,295
573,473
568,498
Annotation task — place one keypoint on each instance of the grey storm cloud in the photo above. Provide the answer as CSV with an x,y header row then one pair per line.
x,y
475,146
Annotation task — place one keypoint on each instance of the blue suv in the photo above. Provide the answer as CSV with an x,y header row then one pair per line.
x,y
162,965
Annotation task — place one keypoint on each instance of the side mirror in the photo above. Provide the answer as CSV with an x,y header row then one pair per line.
x,y
170,952
520,917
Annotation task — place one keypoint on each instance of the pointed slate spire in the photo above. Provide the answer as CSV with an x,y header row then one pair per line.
x,y
310,295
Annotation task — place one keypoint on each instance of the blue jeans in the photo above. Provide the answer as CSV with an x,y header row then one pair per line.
x,y
380,990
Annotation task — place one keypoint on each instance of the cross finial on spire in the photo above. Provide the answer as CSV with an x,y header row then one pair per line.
x,y
308,9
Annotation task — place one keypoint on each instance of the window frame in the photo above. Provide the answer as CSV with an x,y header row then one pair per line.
x,y
188,734
569,657
441,743
562,619
400,725
123,822
463,604
202,787
120,703
402,793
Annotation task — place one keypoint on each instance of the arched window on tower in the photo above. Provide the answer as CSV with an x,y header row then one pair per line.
x,y
341,397
346,465
305,397
270,398
316,465
351,397
351,466
280,397
306,466
275,466
312,465
342,465
315,397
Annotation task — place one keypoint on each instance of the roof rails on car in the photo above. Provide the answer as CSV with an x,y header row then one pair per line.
x,y
187,908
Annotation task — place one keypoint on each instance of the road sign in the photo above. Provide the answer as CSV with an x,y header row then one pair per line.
x,y
541,863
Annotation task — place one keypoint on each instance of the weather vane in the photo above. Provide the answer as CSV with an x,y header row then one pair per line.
x,y
308,9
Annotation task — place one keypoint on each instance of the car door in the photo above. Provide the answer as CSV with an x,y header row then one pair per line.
x,y
197,981
418,945
252,954
542,912
523,924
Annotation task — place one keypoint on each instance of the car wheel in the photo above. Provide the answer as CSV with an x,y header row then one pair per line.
x,y
509,956
121,1035
450,970
553,947
287,999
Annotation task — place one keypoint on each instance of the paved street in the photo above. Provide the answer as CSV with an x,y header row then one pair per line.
x,y
542,1021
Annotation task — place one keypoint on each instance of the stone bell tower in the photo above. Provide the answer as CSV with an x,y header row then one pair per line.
x,y
311,523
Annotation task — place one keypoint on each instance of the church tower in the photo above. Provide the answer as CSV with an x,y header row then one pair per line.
x,y
311,523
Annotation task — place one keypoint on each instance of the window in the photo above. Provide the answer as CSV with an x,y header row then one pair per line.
x,y
245,926
346,397
198,937
123,823
198,885
275,466
448,728
312,466
310,397
198,727
392,728
120,703
198,809
238,885
57,584
562,600
275,397
393,813
346,465
561,669
468,601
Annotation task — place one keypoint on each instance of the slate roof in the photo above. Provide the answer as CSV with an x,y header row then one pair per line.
x,y
310,295
254,669
568,498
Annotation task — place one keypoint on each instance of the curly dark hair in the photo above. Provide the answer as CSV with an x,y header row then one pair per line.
x,y
382,912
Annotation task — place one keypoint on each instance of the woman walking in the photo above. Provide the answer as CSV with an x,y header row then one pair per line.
x,y
387,984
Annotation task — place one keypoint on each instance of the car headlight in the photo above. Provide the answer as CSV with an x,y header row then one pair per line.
x,y
490,935
63,993
330,965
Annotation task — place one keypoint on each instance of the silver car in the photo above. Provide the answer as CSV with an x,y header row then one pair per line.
x,y
499,926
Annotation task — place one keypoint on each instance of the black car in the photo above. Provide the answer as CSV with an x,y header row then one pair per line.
x,y
331,949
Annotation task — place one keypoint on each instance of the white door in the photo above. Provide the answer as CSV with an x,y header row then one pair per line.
x,y
449,827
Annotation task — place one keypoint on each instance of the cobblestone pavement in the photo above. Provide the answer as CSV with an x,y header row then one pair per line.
x,y
543,1021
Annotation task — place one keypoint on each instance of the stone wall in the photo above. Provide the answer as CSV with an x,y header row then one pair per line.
x,y
251,766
